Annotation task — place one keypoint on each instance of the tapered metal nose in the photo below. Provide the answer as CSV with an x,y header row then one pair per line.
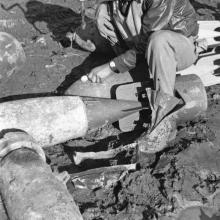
x,y
101,111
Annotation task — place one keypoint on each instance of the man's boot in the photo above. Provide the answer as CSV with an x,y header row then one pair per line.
x,y
161,105
163,123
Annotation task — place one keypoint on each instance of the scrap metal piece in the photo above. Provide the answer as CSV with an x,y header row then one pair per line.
x,y
101,111
191,90
57,119
100,177
49,120
28,186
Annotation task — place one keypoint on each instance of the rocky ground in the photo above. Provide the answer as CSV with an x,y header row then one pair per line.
x,y
182,182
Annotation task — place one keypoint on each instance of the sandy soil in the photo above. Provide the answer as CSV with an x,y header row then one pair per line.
x,y
180,183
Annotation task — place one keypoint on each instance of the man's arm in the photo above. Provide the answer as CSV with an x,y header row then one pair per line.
x,y
156,16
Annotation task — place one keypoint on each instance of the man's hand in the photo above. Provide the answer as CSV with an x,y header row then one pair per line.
x,y
99,73
104,24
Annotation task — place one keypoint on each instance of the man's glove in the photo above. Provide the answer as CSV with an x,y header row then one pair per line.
x,y
104,24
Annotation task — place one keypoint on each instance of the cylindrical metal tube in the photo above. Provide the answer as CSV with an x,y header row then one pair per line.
x,y
100,90
101,111
29,189
49,120
191,89
57,119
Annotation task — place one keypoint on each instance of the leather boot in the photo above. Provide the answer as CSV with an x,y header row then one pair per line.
x,y
161,105
163,124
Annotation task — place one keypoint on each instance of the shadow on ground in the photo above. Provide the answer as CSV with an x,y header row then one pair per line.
x,y
59,20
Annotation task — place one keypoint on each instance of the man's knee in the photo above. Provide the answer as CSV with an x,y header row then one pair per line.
x,y
158,40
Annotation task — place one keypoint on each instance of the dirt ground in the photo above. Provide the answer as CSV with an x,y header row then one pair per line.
x,y
180,183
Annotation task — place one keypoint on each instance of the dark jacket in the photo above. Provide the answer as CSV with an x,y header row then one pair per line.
x,y
174,15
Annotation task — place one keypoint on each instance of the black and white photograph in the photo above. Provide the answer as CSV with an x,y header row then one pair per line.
x,y
109,109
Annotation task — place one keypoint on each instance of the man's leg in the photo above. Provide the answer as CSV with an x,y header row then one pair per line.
x,y
166,53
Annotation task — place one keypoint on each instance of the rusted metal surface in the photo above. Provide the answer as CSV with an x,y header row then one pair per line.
x,y
49,120
57,119
29,189
100,177
101,111
191,89
102,90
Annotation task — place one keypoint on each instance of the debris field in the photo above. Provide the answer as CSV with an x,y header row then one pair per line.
x,y
182,182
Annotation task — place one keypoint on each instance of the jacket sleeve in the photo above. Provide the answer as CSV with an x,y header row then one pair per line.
x,y
156,16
